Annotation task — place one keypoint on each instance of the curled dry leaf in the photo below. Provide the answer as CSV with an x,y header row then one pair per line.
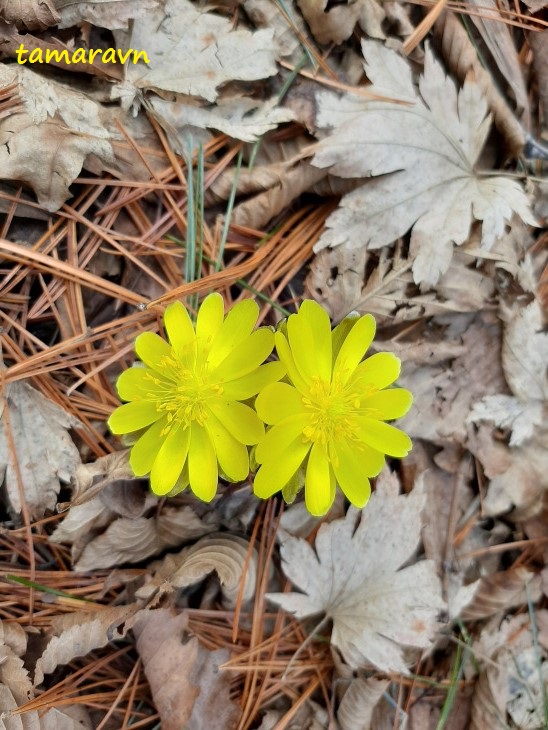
x,y
76,634
128,540
193,52
45,454
47,144
359,702
227,555
29,14
422,180
498,592
187,687
377,607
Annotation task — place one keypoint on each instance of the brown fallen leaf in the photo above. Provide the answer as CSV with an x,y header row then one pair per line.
x,y
45,454
187,687
47,144
377,607
513,676
524,358
29,14
76,634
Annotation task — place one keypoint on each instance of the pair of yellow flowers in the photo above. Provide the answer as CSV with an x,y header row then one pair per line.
x,y
198,401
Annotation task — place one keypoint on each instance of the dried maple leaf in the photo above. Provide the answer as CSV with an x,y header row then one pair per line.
x,y
355,577
193,52
46,143
44,452
422,156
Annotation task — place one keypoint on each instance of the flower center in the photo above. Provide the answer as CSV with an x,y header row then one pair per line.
x,y
185,397
334,410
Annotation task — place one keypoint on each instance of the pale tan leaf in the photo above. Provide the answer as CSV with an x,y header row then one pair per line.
x,y
45,454
518,476
71,717
377,607
524,358
77,634
47,144
333,25
187,687
421,180
194,52
444,395
266,14
29,14
513,676
359,701
239,117
129,540
112,14
227,555
525,353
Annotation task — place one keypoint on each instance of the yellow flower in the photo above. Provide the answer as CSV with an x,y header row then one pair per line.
x,y
330,419
188,397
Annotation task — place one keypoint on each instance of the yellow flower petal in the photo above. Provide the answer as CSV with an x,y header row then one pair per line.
x,y
209,321
232,455
152,349
350,474
250,384
275,473
235,329
136,382
286,356
170,460
247,356
354,348
202,464
379,370
279,438
312,356
319,492
133,416
277,402
385,438
179,329
240,420
320,325
389,404
341,331
145,450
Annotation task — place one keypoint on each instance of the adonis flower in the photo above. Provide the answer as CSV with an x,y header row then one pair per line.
x,y
188,395
330,418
